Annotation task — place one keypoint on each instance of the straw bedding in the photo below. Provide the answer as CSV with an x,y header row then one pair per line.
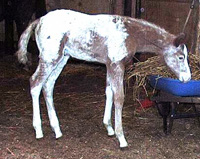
x,y
156,66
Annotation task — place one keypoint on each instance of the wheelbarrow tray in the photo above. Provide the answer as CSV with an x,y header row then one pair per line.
x,y
175,87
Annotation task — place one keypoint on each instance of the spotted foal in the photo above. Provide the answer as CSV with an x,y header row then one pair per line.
x,y
109,39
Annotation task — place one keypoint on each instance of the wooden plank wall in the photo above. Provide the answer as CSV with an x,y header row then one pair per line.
x,y
86,6
2,31
171,15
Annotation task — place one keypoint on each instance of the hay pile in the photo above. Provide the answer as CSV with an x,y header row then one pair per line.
x,y
156,66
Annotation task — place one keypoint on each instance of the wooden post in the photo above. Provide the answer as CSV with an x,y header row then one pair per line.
x,y
123,7
130,8
119,7
195,44
9,32
127,7
197,48
133,8
111,6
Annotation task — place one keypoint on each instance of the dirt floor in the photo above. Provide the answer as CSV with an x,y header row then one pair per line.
x,y
79,98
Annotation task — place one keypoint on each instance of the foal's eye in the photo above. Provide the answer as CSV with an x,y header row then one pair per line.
x,y
181,57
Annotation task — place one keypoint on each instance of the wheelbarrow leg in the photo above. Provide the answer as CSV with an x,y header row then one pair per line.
x,y
165,124
164,110
171,118
196,112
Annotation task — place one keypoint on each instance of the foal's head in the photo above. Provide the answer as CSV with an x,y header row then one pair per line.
x,y
175,56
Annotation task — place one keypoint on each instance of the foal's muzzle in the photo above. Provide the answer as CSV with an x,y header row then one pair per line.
x,y
185,76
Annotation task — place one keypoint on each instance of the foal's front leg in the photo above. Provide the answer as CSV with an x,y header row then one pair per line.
x,y
118,90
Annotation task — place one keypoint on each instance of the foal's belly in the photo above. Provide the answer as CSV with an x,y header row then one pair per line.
x,y
93,50
83,54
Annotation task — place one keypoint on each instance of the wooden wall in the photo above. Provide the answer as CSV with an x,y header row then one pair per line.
x,y
171,15
86,6
2,31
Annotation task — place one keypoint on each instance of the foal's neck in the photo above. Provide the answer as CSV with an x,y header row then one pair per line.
x,y
149,37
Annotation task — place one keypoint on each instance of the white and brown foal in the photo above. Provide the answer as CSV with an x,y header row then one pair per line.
x,y
109,39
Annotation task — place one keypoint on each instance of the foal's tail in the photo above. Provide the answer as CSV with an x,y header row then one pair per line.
x,y
23,42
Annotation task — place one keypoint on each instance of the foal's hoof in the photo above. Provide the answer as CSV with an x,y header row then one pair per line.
x,y
111,134
110,131
123,142
124,148
58,135
123,145
39,135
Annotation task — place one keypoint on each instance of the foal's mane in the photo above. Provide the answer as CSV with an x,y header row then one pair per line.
x,y
152,25
152,28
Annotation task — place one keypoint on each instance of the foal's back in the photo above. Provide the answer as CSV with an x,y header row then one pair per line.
x,y
99,38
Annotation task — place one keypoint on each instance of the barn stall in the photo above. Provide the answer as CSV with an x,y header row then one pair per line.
x,y
79,98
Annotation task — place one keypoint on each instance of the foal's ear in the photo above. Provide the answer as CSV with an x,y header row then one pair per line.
x,y
180,39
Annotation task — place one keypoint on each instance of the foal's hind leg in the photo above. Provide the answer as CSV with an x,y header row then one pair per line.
x,y
36,82
109,103
48,95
